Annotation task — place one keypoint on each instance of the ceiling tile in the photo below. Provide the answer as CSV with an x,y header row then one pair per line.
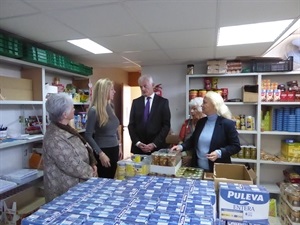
x,y
13,8
246,12
39,28
135,42
99,21
160,16
50,5
187,39
191,54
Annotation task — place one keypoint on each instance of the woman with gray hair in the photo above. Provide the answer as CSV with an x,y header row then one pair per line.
x,y
215,138
67,158
189,125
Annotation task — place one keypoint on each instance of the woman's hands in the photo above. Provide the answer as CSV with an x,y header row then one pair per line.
x,y
177,148
213,156
105,161
120,152
95,173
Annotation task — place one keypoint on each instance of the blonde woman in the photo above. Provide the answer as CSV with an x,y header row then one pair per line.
x,y
215,138
102,128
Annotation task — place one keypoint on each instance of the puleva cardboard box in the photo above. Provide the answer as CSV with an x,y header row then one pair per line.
x,y
244,203
232,173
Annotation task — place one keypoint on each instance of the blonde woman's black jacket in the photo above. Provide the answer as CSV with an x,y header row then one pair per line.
x,y
225,138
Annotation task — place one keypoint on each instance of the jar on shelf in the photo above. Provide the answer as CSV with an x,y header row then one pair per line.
x,y
190,69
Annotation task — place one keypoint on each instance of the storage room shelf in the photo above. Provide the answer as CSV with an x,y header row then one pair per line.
x,y
25,64
261,139
247,131
272,188
16,142
279,133
239,160
15,102
223,75
279,163
280,103
20,187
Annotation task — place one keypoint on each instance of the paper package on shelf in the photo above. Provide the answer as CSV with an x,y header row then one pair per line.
x,y
21,176
6,185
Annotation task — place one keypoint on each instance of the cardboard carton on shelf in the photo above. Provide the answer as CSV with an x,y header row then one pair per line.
x,y
250,93
16,88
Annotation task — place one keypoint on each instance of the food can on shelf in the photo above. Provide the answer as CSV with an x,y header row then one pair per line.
x,y
190,69
225,94
193,93
253,152
243,122
219,91
240,154
201,93
249,123
247,152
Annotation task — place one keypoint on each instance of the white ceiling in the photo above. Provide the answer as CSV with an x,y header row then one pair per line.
x,y
141,32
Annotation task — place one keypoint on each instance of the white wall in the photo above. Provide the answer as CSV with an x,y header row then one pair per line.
x,y
172,78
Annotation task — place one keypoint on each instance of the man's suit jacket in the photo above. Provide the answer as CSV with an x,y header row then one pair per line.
x,y
225,137
157,127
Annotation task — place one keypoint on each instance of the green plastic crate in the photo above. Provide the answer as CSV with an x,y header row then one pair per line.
x,y
10,46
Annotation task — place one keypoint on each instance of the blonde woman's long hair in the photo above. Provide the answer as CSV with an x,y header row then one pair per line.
x,y
100,99
220,106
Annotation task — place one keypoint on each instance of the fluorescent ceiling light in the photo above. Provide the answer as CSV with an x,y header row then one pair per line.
x,y
90,46
251,33
291,30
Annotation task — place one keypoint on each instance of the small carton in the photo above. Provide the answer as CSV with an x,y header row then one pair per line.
x,y
250,93
167,170
232,173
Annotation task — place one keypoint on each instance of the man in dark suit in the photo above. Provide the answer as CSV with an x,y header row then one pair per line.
x,y
149,124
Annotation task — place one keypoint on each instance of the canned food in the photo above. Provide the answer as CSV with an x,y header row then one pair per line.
x,y
253,152
201,93
240,154
121,168
247,152
163,161
193,93
130,171
190,69
249,123
138,168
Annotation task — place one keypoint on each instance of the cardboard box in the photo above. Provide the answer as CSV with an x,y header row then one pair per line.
x,y
250,93
16,88
244,203
21,205
167,170
232,173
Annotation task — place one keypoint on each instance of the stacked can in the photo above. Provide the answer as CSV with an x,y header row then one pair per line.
x,y
121,170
